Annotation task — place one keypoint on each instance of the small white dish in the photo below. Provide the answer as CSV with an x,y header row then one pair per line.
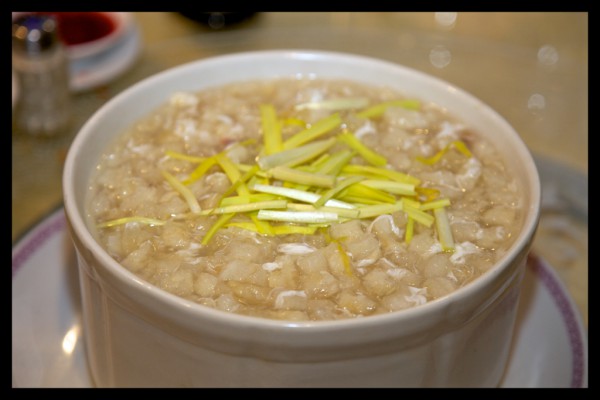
x,y
98,62
99,69
121,24
549,350
112,26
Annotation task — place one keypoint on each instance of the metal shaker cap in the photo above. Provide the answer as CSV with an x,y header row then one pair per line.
x,y
34,34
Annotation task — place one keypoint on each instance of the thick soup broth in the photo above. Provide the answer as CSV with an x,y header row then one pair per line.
x,y
304,199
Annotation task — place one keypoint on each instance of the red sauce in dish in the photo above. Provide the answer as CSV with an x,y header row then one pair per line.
x,y
81,27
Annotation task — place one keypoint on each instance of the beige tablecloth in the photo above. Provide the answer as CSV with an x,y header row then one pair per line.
x,y
530,67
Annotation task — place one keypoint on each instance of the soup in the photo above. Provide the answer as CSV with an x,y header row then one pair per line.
x,y
304,199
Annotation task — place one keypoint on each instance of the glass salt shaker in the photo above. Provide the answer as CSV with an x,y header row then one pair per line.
x,y
41,67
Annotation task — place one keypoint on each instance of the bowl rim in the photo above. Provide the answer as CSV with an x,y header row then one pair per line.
x,y
224,318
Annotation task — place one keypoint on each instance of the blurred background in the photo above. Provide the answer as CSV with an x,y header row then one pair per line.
x,y
531,67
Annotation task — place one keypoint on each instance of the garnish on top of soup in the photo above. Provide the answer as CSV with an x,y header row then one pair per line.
x,y
304,199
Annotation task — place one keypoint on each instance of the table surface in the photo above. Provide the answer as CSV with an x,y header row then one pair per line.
x,y
531,67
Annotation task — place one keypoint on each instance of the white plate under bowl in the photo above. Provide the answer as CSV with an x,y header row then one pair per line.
x,y
549,350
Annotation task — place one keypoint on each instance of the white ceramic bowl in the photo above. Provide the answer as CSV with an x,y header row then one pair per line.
x,y
139,335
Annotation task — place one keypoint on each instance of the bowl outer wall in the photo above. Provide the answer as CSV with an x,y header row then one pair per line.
x,y
250,335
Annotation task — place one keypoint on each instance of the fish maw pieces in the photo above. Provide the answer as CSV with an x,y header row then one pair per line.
x,y
379,283
251,294
439,286
312,262
350,230
321,285
356,303
364,249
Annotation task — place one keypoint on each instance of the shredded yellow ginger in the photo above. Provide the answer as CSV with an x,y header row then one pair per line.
x,y
342,253
443,229
457,144
183,190
345,258
379,109
126,220
330,189
223,219
271,129
200,170
319,129
276,230
410,226
334,104
368,154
